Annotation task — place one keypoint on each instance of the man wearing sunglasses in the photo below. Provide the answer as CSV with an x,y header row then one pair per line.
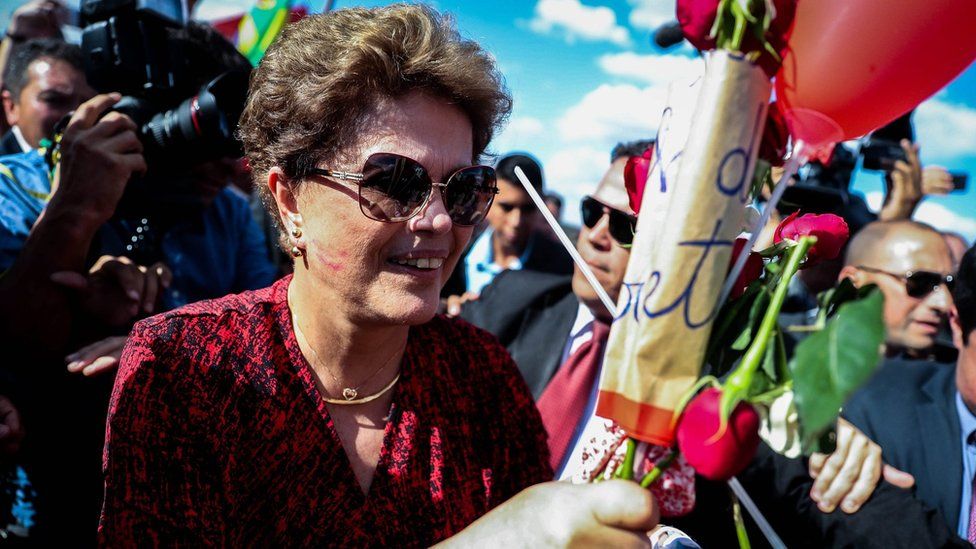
x,y
912,266
923,413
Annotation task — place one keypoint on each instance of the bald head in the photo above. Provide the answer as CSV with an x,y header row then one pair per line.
x,y
899,245
885,253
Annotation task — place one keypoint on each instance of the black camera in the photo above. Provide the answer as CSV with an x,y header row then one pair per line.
x,y
140,49
881,154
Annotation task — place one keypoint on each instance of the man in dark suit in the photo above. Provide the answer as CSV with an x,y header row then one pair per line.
x,y
512,240
43,81
921,412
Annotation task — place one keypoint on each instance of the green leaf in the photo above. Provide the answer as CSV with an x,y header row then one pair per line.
x,y
831,364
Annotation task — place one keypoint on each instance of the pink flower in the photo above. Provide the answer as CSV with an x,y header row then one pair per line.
x,y
752,270
635,177
717,457
831,232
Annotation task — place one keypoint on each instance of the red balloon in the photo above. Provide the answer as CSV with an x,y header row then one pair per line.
x,y
855,65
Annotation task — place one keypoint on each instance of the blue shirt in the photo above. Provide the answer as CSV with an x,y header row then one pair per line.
x,y
967,422
219,251
479,264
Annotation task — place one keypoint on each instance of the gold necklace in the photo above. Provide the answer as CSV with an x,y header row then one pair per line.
x,y
350,395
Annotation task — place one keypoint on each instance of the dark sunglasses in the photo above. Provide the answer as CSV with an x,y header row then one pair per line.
x,y
918,284
394,188
622,225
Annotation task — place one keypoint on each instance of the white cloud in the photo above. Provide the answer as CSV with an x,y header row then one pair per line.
x,y
655,70
521,133
651,14
574,172
946,131
577,21
613,113
934,214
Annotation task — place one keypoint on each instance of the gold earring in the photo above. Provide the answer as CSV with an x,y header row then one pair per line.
x,y
296,251
296,232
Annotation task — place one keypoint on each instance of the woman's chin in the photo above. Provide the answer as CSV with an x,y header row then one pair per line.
x,y
411,310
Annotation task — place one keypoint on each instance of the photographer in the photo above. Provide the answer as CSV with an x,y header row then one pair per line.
x,y
44,81
75,274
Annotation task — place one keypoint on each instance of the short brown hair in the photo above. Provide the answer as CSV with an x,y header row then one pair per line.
x,y
317,82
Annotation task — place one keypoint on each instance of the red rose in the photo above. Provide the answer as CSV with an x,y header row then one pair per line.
x,y
717,458
777,36
831,232
696,18
752,271
635,177
775,135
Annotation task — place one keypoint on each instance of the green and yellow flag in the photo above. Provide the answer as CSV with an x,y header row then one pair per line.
x,y
260,27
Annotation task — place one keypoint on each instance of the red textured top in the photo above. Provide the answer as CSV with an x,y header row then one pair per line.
x,y
217,435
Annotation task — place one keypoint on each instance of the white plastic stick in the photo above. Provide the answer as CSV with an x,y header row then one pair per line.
x,y
583,267
756,514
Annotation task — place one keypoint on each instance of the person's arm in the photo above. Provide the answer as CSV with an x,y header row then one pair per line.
x,y
99,154
160,482
905,191
615,513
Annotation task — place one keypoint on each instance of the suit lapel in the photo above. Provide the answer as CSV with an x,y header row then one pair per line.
x,y
539,345
939,431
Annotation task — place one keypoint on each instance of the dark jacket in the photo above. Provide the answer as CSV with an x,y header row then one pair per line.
x,y
909,408
9,144
531,313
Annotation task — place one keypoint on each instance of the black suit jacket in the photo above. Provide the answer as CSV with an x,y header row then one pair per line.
x,y
531,313
548,256
909,408
9,144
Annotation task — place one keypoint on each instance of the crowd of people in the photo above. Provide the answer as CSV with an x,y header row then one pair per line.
x,y
363,333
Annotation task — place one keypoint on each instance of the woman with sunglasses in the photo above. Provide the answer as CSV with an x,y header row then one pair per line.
x,y
334,407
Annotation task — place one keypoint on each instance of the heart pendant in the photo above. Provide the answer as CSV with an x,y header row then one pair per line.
x,y
349,393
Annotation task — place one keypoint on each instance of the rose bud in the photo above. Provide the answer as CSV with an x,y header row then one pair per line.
x,y
775,136
635,177
717,455
751,271
831,232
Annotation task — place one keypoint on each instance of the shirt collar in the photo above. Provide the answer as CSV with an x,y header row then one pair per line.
x,y
967,420
584,318
24,146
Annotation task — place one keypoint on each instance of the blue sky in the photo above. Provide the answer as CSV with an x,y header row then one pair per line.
x,y
584,76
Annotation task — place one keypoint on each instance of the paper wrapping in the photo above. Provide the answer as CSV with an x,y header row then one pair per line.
x,y
691,212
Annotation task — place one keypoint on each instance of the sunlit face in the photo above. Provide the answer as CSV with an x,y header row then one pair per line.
x,y
513,216
54,88
355,263
912,323
599,250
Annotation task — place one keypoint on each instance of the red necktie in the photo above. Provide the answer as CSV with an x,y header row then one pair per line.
x,y
564,400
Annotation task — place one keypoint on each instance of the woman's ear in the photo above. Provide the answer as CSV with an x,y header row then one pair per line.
x,y
285,198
